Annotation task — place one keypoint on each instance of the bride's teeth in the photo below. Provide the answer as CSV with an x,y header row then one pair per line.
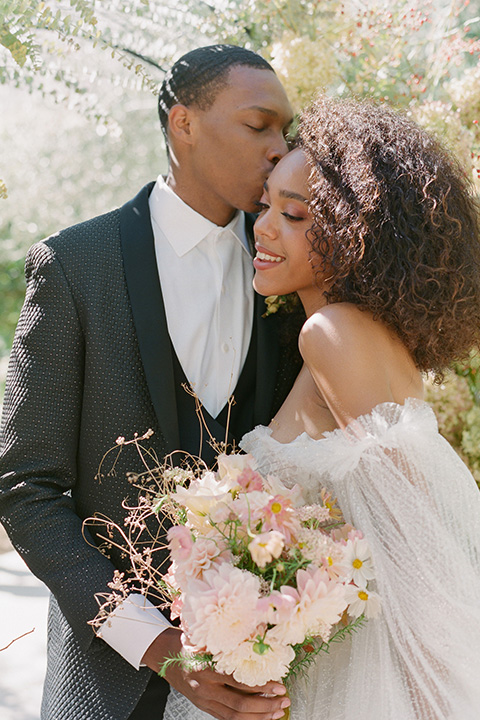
x,y
270,258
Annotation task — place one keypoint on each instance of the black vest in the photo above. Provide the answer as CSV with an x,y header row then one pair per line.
x,y
194,438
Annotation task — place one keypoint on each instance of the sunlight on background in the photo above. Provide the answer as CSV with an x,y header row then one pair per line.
x,y
61,168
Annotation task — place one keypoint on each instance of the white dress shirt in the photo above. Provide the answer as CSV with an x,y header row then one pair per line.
x,y
206,278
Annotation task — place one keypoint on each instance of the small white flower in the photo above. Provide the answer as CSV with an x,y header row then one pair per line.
x,y
313,512
314,545
357,563
362,601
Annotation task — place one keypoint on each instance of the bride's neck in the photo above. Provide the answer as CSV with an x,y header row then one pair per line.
x,y
312,299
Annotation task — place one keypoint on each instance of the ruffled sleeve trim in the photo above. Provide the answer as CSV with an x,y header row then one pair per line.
x,y
389,425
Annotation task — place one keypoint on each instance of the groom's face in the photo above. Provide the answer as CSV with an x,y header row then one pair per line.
x,y
239,139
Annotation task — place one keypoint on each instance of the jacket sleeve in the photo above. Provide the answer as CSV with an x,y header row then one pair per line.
x,y
38,445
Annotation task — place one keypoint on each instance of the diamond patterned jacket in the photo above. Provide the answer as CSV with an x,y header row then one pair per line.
x,y
92,360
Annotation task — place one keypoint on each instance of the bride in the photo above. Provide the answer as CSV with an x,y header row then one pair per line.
x,y
371,223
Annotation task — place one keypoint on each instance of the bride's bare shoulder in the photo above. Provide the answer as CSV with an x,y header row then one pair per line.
x,y
356,362
338,328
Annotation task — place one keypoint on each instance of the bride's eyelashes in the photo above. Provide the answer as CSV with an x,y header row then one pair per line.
x,y
293,218
255,129
262,207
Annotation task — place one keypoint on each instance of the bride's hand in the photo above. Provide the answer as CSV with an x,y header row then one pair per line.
x,y
214,693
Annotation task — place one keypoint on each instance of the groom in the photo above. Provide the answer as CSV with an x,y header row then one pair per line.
x,y
120,312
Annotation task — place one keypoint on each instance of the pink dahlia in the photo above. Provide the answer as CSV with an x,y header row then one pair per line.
x,y
256,663
219,612
316,604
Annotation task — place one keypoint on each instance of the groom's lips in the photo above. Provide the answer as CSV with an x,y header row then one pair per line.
x,y
265,259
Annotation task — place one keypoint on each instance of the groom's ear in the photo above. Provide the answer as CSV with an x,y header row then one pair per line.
x,y
179,124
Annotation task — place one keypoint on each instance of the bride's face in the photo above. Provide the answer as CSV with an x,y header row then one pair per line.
x,y
282,262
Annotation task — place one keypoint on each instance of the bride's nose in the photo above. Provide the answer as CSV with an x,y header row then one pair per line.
x,y
264,227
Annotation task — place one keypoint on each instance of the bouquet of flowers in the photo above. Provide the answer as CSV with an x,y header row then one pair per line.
x,y
260,581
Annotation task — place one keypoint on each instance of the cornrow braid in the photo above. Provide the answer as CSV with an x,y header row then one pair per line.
x,y
199,75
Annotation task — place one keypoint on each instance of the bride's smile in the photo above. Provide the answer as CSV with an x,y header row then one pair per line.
x,y
283,261
263,257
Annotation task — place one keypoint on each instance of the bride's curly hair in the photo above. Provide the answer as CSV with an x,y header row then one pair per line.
x,y
396,226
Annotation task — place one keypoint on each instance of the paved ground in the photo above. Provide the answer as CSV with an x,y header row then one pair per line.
x,y
4,541
23,606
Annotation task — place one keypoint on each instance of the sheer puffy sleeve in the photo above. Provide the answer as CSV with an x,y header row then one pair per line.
x,y
402,484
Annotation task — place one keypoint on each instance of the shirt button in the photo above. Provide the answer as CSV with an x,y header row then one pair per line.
x,y
225,348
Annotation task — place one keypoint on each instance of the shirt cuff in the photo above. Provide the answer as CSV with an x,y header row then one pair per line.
x,y
132,627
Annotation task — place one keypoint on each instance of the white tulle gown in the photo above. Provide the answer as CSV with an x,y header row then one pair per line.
x,y
401,483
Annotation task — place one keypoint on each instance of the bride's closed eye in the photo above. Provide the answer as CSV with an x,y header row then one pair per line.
x,y
255,129
263,206
293,218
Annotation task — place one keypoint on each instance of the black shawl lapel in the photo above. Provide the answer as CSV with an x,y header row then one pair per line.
x,y
268,352
267,347
148,311
249,223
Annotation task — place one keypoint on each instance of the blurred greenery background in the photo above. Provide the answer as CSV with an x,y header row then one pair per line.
x,y
79,133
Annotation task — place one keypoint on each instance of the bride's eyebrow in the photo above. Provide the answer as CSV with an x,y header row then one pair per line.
x,y
289,194
292,195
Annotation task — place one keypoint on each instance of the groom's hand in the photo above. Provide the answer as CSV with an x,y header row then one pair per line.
x,y
217,694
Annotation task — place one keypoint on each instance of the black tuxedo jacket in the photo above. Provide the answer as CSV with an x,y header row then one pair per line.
x,y
92,360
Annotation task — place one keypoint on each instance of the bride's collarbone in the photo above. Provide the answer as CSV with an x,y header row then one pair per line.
x,y
304,411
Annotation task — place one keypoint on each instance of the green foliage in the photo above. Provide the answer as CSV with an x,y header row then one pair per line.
x,y
48,46
407,53
456,406
60,168
471,372
12,290
306,652
189,663
419,56
24,22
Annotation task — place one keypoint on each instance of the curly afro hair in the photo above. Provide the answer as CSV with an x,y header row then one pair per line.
x,y
396,226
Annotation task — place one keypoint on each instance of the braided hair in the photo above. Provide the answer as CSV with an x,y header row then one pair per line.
x,y
199,75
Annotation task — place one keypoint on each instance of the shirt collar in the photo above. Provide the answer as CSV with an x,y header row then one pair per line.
x,y
184,227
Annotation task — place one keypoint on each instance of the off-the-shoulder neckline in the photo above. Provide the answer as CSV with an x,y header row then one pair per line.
x,y
350,430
